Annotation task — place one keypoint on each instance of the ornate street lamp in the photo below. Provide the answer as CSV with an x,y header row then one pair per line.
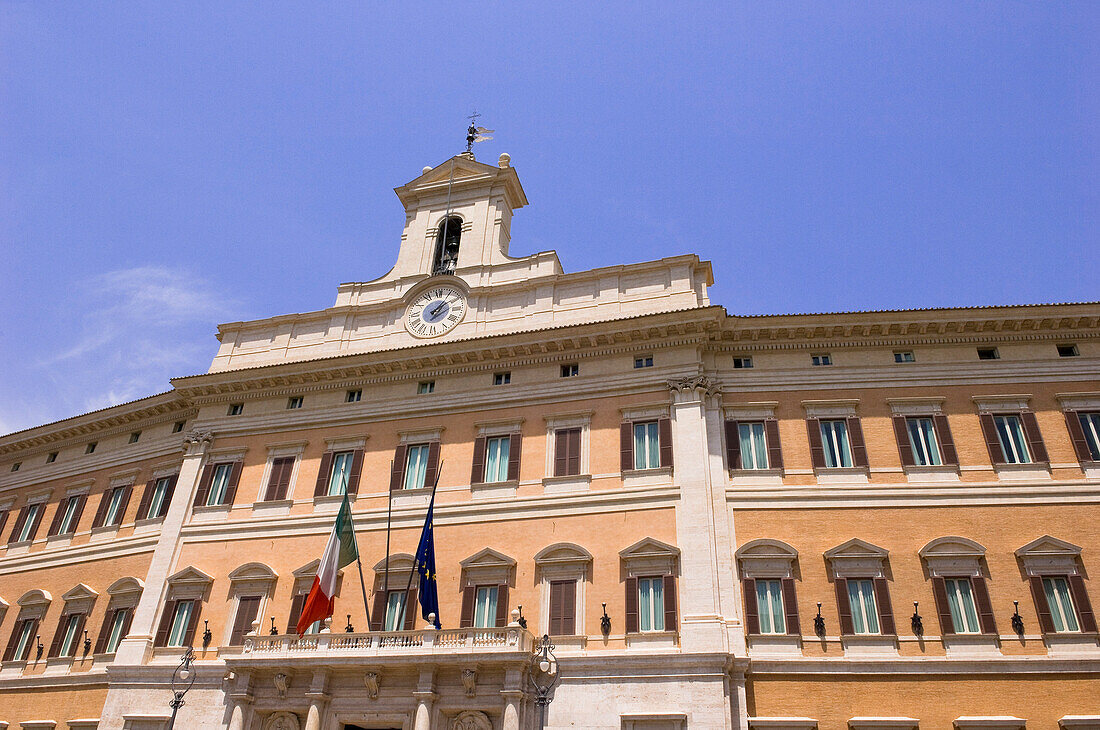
x,y
182,680
544,676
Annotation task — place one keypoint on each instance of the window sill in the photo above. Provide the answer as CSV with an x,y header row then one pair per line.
x,y
1091,469
843,475
646,640
58,665
148,525
971,645
570,643
61,539
489,490
647,477
775,645
12,668
1072,644
19,548
272,508
1014,472
869,645
210,513
566,484
773,477
930,473
330,502
418,497
103,533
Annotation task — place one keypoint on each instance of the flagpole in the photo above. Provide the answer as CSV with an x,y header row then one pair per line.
x,y
386,570
408,588
358,560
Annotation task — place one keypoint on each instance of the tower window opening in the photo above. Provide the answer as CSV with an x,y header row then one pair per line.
x,y
446,252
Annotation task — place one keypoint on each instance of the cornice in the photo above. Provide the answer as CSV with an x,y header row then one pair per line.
x,y
105,422
73,555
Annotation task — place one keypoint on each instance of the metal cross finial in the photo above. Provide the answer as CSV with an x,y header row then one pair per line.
x,y
475,133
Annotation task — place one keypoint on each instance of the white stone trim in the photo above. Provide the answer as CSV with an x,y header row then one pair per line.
x,y
583,421
38,497
839,408
916,406
126,586
857,559
745,411
1047,555
487,567
766,558
86,723
38,725
35,597
782,723
1001,403
230,453
883,723
421,435
1003,722
278,451
81,487
558,562
1079,722
649,720
501,427
649,558
953,557
645,412
346,443
1079,401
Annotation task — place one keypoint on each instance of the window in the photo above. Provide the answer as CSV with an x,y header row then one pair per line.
x,y
988,353
647,446
181,621
834,439
68,635
1069,350
219,484
570,370
236,409
643,362
296,606
861,599
116,628
769,607
16,465
1010,435
294,401
428,386
160,497
278,482
742,362
90,448
135,436
68,515
754,450
353,396
904,356
822,359
248,607
51,457
416,466
178,426
922,440
502,378
496,458
567,452
563,607
395,611
341,473
27,523
23,639
485,607
960,601
448,240
1090,430
1062,615
651,604
112,507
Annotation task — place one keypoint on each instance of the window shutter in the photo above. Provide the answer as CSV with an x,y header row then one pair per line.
x,y
733,446
165,624
234,480
35,525
146,499
431,474
356,470
664,437
412,608
557,589
296,605
377,609
247,608
101,511
3,520
55,525
19,521
78,645
569,608
943,609
671,623
901,435
279,481
204,485
844,608
168,494
817,449
985,606
78,512
574,451
502,606
196,609
790,607
323,475
58,635
105,631
477,469
9,652
947,444
1034,437
885,610
466,619
397,471
1085,617
631,605
992,442
775,449
1077,436
561,452
855,437
126,622
752,610
626,446
1046,623
514,446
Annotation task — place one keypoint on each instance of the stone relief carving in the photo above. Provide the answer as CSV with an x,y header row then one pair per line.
x,y
700,386
469,681
470,720
282,721
282,682
196,440
372,680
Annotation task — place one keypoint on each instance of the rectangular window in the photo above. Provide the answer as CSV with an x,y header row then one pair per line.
x,y
294,401
1061,605
643,362
485,607
16,465
769,607
30,522
742,362
219,484
502,378
135,436
118,625
988,353
178,426
1068,351
861,598
568,371
496,458
353,396
428,386
754,447
647,446
822,359
964,612
1010,433
416,466
114,507
278,481
177,634
651,604
235,409
567,452
341,473
69,516
904,356
51,457
1090,425
395,611
834,439
922,439
26,639
563,607
248,607
90,448
158,504
72,623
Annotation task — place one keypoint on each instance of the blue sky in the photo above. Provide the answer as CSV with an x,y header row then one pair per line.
x,y
168,166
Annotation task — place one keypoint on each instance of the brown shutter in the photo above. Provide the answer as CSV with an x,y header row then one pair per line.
x,y
37,522
1046,622
985,607
105,631
3,520
161,638
844,608
948,453
234,480
296,605
502,605
561,452
992,441
79,511
466,619
574,451
1077,436
943,608
196,609
733,446
901,435
55,525
855,438
477,470
557,588
101,511
752,610
885,610
58,635
431,474
1085,617
626,446
412,608
631,605
22,518
9,652
279,480
671,624
247,608
775,449
323,475
168,494
514,445
205,481
377,610
78,646
817,449
146,499
126,622
356,471
569,608
397,470
1034,437
664,438
790,607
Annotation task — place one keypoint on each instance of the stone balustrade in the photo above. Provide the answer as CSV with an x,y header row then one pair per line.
x,y
383,643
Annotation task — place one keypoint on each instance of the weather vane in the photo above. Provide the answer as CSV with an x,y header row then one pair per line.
x,y
475,133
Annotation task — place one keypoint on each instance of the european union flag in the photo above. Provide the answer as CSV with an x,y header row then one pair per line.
x,y
425,565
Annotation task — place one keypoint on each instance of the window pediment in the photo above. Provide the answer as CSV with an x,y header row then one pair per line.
x,y
562,553
79,592
1049,555
35,597
395,574
190,576
766,558
953,556
125,585
488,566
650,556
857,558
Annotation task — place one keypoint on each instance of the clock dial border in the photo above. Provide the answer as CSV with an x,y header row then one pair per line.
x,y
413,318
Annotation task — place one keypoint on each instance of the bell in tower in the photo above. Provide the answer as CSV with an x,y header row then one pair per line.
x,y
446,250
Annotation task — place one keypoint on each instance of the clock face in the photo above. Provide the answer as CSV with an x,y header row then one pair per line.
x,y
435,312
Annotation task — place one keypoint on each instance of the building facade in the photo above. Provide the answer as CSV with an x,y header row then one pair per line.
x,y
850,520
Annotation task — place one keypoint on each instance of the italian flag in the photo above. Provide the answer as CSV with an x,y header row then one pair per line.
x,y
340,551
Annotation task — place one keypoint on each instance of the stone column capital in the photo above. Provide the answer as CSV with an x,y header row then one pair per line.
x,y
696,388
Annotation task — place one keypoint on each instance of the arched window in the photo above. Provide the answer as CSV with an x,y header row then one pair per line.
x,y
446,251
